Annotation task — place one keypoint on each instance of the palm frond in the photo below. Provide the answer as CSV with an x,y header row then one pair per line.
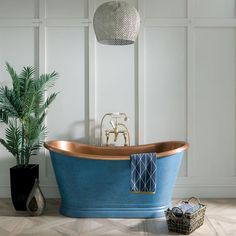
x,y
27,72
46,81
29,100
42,117
15,79
13,139
28,92
39,97
34,130
8,102
34,139
3,116
47,103
35,148
26,80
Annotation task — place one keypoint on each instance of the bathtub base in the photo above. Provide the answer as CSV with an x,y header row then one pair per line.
x,y
155,212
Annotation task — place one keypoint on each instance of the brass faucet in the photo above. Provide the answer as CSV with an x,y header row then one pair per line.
x,y
115,128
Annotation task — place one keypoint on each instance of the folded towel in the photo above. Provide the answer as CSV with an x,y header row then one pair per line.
x,y
183,208
143,173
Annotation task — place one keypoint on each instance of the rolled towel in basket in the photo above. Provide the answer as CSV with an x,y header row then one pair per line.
x,y
143,173
186,206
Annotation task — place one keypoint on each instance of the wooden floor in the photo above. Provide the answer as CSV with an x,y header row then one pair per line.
x,y
220,220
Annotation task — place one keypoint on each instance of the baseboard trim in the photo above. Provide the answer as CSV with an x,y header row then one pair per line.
x,y
49,191
180,191
204,191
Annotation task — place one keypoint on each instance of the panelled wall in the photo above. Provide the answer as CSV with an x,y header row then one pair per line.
x,y
176,83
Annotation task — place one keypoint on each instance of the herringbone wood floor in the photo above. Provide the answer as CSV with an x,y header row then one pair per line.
x,y
220,220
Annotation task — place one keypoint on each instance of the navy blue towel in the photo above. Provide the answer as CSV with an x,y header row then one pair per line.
x,y
143,172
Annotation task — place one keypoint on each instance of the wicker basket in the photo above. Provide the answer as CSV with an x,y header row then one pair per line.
x,y
185,222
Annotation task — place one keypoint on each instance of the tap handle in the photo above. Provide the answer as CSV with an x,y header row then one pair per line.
x,y
112,124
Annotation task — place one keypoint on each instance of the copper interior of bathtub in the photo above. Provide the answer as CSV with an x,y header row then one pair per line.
x,y
76,149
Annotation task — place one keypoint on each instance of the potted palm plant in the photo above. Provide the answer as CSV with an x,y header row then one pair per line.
x,y
23,107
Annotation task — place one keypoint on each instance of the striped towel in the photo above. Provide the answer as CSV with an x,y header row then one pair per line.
x,y
143,173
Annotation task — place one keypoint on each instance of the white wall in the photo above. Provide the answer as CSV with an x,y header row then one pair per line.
x,y
176,83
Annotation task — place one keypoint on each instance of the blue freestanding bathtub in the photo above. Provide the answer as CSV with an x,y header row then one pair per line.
x,y
95,181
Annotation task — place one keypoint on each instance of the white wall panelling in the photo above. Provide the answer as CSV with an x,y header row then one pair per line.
x,y
92,76
165,97
215,101
177,82
140,78
166,9
18,9
66,9
165,85
214,8
69,111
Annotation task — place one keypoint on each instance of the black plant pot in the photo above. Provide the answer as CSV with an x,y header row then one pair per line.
x,y
22,181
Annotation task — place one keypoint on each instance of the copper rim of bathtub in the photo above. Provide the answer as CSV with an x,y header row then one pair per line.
x,y
76,149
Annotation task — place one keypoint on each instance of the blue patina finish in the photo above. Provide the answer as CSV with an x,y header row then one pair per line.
x,y
101,188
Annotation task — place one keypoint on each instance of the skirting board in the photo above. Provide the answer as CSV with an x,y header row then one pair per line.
x,y
48,191
180,191
204,191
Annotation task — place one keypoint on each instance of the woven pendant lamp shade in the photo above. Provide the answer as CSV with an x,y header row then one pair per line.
x,y
116,23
